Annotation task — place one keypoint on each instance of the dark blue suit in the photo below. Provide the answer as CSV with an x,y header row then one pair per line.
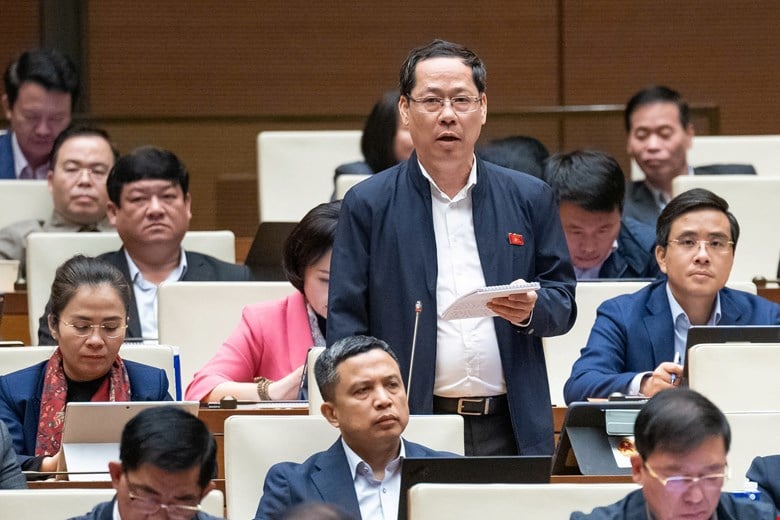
x,y
200,268
634,506
765,471
20,399
323,477
384,260
634,333
635,255
7,170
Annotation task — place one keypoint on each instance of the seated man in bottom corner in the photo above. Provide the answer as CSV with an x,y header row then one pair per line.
x,y
682,440
364,397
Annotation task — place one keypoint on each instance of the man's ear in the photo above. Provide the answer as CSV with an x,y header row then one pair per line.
x,y
637,468
403,110
6,107
115,470
111,211
660,257
329,412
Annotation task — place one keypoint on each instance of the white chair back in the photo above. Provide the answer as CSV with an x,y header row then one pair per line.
x,y
252,446
315,397
752,434
737,376
762,151
23,200
560,352
345,181
753,201
160,356
509,501
46,251
198,317
44,504
295,169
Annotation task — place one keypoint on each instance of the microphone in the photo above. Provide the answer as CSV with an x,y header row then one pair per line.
x,y
417,312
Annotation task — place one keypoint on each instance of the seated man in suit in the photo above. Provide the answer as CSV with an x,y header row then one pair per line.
x,y
11,476
80,161
765,471
590,187
682,440
660,133
168,460
637,336
364,397
150,208
41,89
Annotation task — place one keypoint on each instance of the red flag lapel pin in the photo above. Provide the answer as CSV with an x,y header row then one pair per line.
x,y
516,239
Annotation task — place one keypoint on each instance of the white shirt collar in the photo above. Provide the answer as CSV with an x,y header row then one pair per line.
x,y
437,192
354,460
176,274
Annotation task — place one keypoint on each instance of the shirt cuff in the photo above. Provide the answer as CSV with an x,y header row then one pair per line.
x,y
526,322
636,383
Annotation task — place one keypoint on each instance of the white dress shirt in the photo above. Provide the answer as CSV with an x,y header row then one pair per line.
x,y
468,363
20,163
145,293
378,499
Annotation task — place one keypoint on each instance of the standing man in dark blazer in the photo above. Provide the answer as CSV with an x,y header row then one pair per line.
x,y
149,205
438,226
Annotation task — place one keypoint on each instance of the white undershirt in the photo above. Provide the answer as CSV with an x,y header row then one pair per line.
x,y
467,357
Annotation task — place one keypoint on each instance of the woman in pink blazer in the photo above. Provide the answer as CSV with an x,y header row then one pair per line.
x,y
263,358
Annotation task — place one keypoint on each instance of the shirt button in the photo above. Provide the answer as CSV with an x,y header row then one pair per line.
x,y
384,490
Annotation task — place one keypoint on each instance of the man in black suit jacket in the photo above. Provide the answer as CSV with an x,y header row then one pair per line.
x,y
765,471
660,133
149,205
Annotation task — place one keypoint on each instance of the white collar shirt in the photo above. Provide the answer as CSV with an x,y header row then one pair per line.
x,y
377,499
20,163
145,293
468,363
592,273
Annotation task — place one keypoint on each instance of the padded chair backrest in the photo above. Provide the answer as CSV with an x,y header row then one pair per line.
x,y
762,151
44,504
497,501
160,356
295,169
254,443
198,317
753,200
23,200
738,377
752,434
345,181
560,352
315,397
46,251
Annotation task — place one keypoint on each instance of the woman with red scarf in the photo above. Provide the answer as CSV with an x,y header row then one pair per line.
x,y
88,318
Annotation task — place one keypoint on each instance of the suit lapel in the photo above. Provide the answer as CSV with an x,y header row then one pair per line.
x,y
730,312
658,325
119,260
333,479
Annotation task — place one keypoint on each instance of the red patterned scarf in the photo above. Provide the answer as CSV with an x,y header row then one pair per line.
x,y
116,387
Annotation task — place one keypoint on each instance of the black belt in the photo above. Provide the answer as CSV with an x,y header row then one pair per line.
x,y
494,405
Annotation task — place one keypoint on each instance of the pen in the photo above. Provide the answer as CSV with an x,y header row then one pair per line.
x,y
677,359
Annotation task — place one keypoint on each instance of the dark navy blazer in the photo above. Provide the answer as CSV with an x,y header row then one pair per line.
x,y
323,477
384,260
20,399
765,471
7,170
634,333
635,255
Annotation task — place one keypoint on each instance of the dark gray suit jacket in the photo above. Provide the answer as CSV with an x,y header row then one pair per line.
x,y
200,268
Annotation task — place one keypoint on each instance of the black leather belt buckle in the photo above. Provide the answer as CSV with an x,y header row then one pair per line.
x,y
468,406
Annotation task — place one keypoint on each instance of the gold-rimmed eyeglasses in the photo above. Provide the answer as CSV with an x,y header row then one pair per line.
x,y
110,329
681,483
150,506
716,245
459,104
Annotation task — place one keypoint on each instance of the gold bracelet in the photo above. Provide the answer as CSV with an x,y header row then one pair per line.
x,y
262,388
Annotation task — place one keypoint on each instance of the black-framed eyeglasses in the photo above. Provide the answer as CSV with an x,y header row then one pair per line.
x,y
682,483
110,329
460,104
150,506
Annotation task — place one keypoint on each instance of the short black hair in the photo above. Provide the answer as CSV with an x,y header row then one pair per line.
x,y
657,94
326,366
693,200
170,439
309,240
378,139
521,153
80,131
146,162
591,180
48,68
440,49
678,420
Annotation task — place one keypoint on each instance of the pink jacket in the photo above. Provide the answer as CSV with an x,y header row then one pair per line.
x,y
271,340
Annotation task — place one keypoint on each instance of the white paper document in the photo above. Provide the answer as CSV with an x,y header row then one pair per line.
x,y
473,304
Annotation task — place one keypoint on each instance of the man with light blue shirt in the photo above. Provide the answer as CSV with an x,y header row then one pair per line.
x,y
149,205
636,338
364,397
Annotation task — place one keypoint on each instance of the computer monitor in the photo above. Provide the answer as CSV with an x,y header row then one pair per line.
x,y
700,334
525,469
264,258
